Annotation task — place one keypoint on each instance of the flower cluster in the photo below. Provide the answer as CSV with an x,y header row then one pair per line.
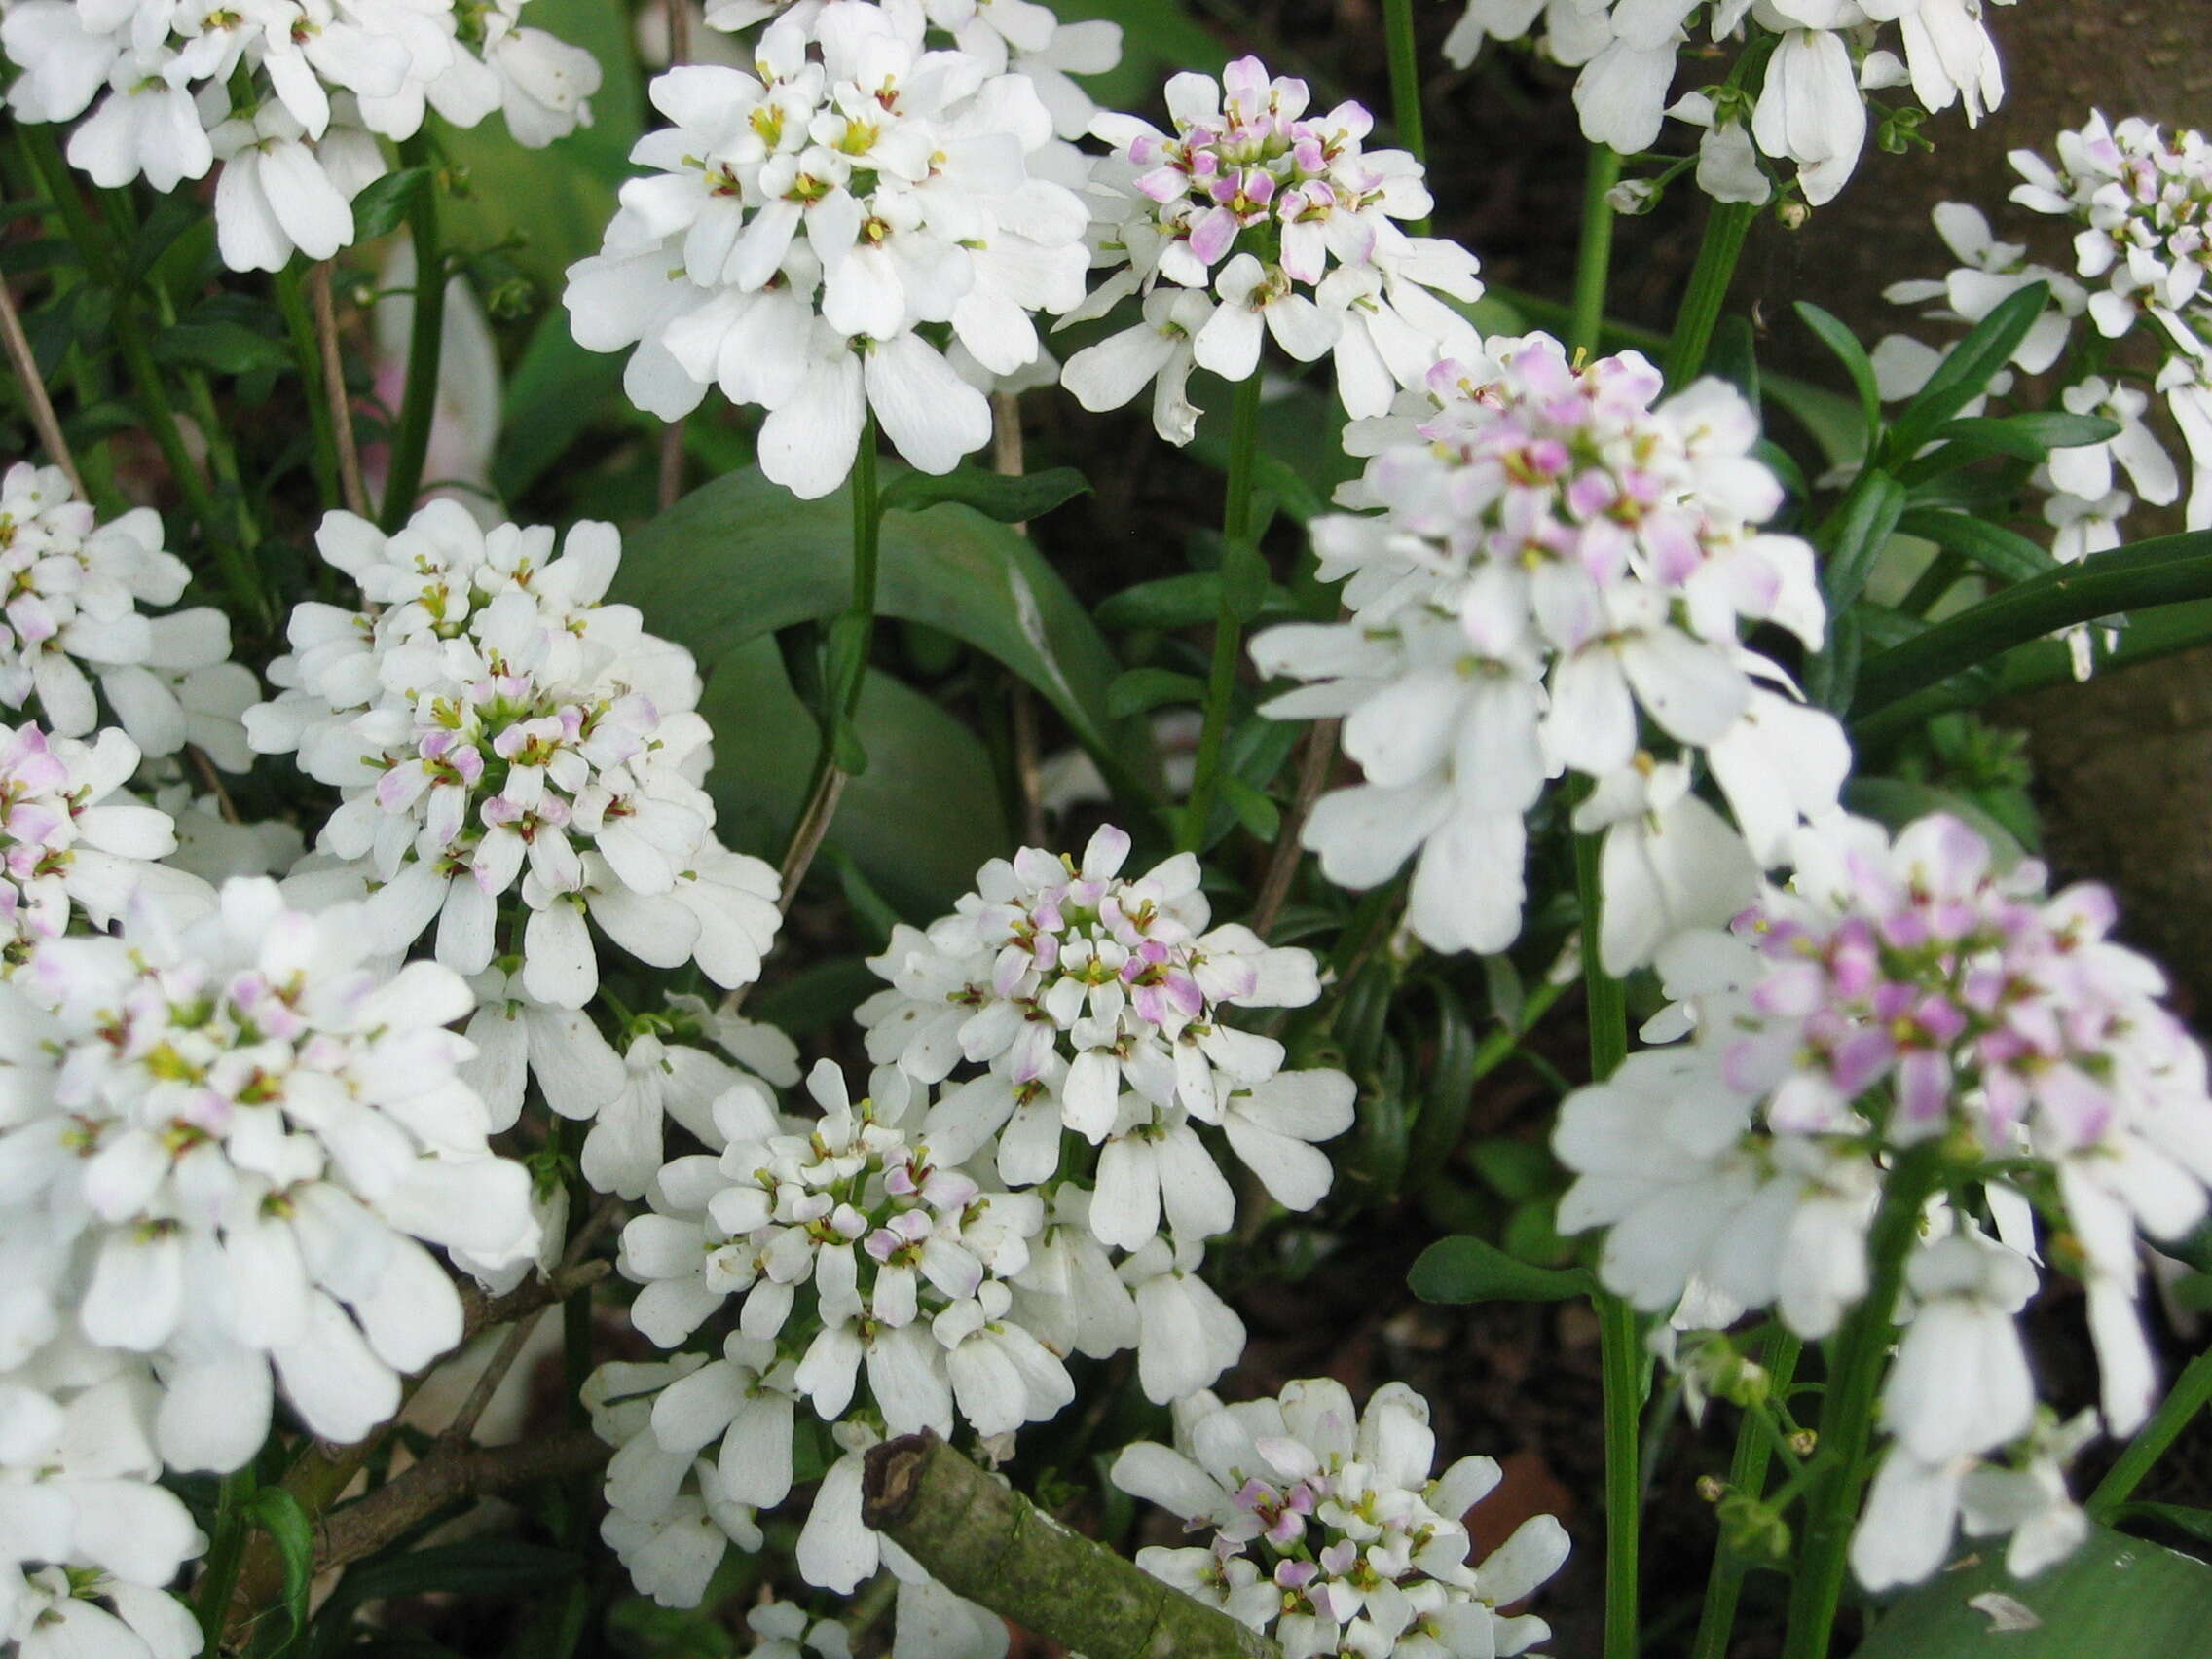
x,y
70,841
73,588
1328,1534
290,96
227,1139
1815,61
1905,1006
1562,556
801,225
2141,208
92,1541
1263,220
873,1284
1099,1002
514,755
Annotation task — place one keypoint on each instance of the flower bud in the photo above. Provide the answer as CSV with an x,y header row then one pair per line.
x,y
1753,1529
1634,196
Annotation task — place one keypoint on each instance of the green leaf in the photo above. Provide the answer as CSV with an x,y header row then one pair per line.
x,y
1897,802
1467,1269
1145,688
740,558
1856,536
384,203
1443,1121
1521,1171
2029,436
916,824
227,347
1170,602
1009,498
1999,551
1965,375
1838,338
2193,1523
557,389
278,1513
1254,810
1733,357
2167,570
2114,1596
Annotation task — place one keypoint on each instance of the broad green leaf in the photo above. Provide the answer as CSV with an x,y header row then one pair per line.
x,y
2194,1522
1467,1269
740,558
384,203
1009,498
1838,338
1145,688
1999,551
2115,1596
1897,802
227,347
918,822
1965,375
555,393
1169,602
2168,571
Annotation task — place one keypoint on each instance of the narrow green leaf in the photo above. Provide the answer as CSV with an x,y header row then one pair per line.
x,y
2115,1595
1999,551
1467,1269
2192,1523
1141,689
1832,333
1733,355
556,392
1443,1104
1856,536
382,205
278,1513
1521,1171
1965,375
1170,602
227,347
2167,570
1007,498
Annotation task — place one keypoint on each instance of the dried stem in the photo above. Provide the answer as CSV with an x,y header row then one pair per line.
x,y
1282,863
982,1539
356,493
41,405
213,780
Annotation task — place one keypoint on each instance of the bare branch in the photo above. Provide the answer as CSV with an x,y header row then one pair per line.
x,y
41,405
1282,863
334,389
982,1539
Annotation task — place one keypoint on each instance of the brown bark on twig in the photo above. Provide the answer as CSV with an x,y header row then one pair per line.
x,y
982,1539
41,405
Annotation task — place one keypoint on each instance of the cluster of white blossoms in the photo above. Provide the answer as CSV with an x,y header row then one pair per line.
x,y
1256,219
92,1541
69,620
1099,1004
513,757
228,1138
809,233
1907,1000
1555,582
2140,207
873,1287
1328,1534
1815,63
289,95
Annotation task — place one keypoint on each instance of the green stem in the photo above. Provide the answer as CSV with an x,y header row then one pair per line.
x,y
1847,1407
867,542
1725,225
2191,1391
418,404
1593,260
300,324
1942,573
152,394
1405,88
1747,1475
1237,555
1620,1344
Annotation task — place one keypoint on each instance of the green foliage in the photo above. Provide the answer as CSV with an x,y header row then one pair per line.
x,y
1467,1269
2116,1596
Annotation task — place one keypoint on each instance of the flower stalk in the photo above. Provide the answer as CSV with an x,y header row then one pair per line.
x,y
1405,88
1726,224
419,403
1746,1478
41,405
2190,1393
1593,258
1239,554
299,324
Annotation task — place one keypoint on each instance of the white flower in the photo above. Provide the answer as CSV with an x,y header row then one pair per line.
x,y
71,622
1328,1534
1257,204
1527,603
244,1134
291,96
514,756
820,210
1960,1382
